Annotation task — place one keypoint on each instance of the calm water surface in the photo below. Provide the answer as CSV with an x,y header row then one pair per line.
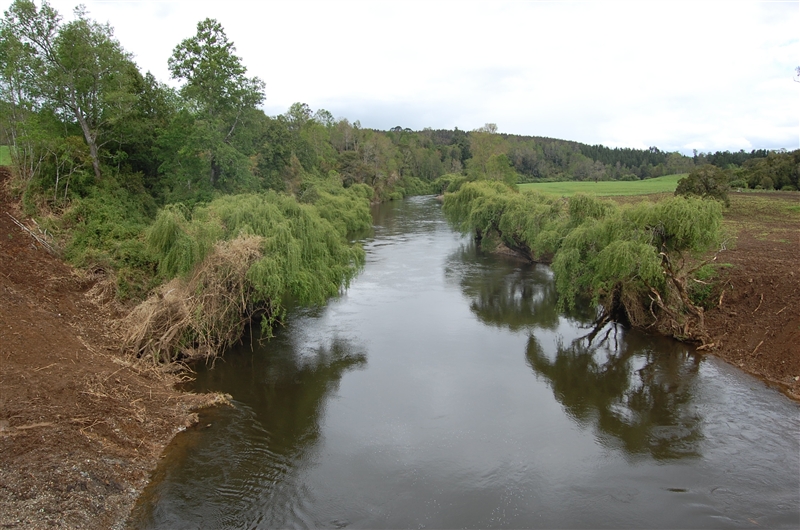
x,y
444,390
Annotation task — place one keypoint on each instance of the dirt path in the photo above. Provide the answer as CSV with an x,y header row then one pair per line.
x,y
80,427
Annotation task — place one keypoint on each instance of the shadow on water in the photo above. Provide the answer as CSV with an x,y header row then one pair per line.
x,y
263,441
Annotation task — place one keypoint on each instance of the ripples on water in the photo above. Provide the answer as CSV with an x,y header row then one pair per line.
x,y
445,390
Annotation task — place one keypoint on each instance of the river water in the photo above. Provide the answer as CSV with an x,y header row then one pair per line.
x,y
444,390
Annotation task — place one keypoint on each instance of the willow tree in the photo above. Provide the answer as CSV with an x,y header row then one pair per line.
x,y
639,262
636,263
232,261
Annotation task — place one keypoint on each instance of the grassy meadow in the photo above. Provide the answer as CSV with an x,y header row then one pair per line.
x,y
5,156
666,184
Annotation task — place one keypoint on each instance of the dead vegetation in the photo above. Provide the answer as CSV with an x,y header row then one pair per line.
x,y
199,316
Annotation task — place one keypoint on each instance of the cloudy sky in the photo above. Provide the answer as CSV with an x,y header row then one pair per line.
x,y
676,75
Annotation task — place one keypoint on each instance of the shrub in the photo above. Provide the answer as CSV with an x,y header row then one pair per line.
x,y
706,181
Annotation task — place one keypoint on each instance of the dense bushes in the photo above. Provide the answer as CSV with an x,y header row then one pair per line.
x,y
635,262
235,259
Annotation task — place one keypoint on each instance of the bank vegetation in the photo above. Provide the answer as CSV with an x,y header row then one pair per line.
x,y
645,264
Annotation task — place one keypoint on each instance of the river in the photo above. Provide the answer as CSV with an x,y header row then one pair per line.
x,y
443,389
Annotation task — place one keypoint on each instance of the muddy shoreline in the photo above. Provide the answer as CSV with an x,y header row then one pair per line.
x,y
82,427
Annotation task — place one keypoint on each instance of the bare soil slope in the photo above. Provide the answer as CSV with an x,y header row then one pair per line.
x,y
757,323
80,426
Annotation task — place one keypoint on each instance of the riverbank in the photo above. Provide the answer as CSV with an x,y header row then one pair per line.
x,y
82,428
756,325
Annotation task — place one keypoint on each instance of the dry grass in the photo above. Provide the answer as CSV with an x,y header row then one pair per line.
x,y
199,316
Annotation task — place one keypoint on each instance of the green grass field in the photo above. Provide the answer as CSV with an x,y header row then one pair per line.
x,y
5,156
666,184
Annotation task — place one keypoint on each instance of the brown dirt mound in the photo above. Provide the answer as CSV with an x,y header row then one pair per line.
x,y
80,426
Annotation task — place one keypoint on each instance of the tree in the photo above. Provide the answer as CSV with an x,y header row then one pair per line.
x,y
483,143
218,93
706,181
78,68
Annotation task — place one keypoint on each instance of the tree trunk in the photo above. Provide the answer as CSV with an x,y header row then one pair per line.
x,y
90,138
214,171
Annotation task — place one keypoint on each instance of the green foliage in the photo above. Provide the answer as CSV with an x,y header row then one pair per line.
x,y
412,186
221,96
627,259
707,181
300,256
345,208
5,156
776,170
450,182
104,230
701,288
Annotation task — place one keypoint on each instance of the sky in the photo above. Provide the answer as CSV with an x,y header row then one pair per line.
x,y
678,75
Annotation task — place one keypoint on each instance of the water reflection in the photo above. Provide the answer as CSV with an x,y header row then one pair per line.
x,y
263,442
507,293
637,398
415,215
635,389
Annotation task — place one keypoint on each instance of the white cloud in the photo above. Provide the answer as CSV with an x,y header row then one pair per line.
x,y
716,75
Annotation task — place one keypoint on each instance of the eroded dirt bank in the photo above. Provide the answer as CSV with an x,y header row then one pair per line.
x,y
757,323
81,428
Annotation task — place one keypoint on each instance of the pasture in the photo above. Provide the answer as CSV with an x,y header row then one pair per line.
x,y
665,184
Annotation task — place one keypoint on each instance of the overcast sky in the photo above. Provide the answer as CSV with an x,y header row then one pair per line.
x,y
676,75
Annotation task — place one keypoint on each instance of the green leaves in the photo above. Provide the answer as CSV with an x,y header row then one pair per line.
x,y
219,96
707,181
625,258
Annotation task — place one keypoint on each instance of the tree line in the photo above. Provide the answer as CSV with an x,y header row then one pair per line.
x,y
759,169
154,185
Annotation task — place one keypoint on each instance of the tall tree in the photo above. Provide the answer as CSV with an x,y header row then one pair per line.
x,y
78,68
217,90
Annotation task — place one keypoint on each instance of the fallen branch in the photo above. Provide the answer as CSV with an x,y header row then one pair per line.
x,y
757,347
38,239
759,303
781,311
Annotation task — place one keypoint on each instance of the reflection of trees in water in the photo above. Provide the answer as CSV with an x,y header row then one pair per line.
x,y
249,462
414,215
646,410
287,389
504,293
